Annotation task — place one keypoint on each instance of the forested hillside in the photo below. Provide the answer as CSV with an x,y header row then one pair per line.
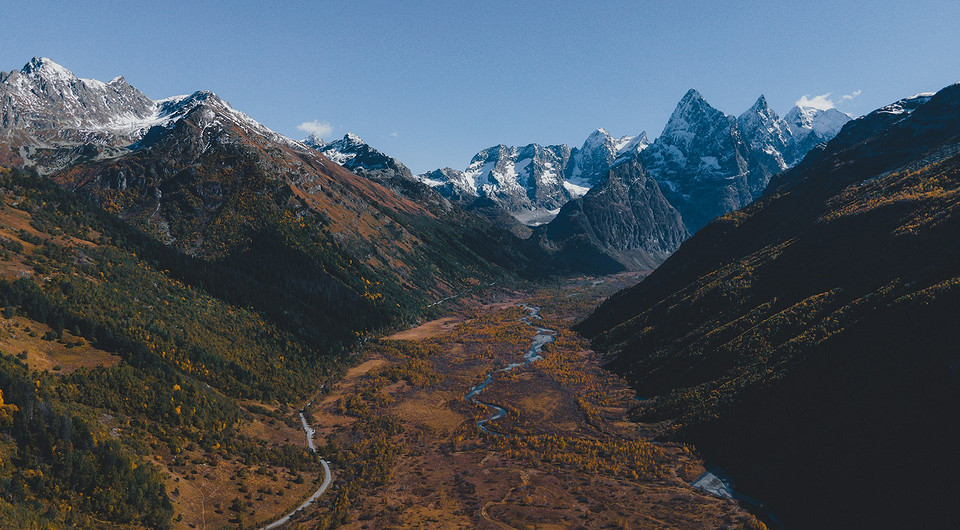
x,y
176,349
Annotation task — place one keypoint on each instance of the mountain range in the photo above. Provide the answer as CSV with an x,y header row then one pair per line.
x,y
210,182
798,326
705,163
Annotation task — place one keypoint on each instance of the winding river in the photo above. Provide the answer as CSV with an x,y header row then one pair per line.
x,y
327,475
542,337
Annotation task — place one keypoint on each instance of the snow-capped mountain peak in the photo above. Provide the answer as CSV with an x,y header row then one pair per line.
x,y
356,155
763,129
825,123
691,104
692,118
632,145
313,140
48,69
761,108
44,104
597,138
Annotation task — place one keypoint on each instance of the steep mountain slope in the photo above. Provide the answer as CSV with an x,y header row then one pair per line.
x,y
212,182
221,269
624,222
806,342
700,161
127,361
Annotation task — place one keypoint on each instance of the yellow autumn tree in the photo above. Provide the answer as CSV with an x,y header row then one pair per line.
x,y
6,413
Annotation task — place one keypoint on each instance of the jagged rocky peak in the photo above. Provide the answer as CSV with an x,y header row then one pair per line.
x,y
624,222
45,95
47,68
770,141
352,140
709,163
824,122
314,140
359,157
700,161
693,118
760,123
698,141
589,163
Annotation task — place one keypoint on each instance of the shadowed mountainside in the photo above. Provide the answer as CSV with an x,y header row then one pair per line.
x,y
806,342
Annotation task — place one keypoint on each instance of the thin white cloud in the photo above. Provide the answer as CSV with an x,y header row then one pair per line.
x,y
848,97
394,134
822,102
317,128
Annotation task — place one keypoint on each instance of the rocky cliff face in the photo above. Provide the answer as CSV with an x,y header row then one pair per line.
x,y
701,162
624,222
45,96
589,164
526,181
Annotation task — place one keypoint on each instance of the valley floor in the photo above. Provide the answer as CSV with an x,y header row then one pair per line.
x,y
406,450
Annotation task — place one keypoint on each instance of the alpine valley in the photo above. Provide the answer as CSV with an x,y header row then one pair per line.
x,y
745,322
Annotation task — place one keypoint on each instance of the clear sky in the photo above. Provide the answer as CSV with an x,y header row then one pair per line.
x,y
433,82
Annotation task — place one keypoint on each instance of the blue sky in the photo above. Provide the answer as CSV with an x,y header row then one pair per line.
x,y
432,83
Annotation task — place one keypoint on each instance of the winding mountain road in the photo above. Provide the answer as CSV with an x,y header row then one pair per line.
x,y
327,475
